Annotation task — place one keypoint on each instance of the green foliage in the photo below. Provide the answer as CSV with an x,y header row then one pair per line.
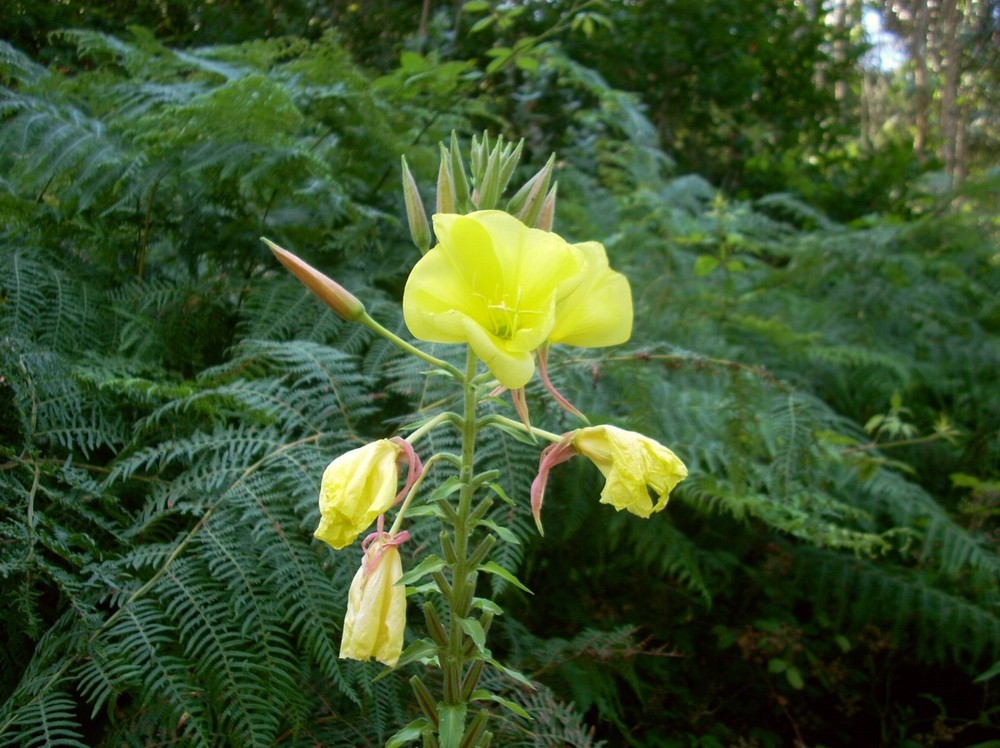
x,y
168,402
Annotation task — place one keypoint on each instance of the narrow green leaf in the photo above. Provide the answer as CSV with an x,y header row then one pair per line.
x,y
482,695
451,718
991,672
513,674
422,649
446,489
498,490
485,604
492,567
408,734
505,534
516,433
474,629
425,510
428,566
527,63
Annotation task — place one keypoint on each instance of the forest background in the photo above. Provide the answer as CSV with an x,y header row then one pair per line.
x,y
808,216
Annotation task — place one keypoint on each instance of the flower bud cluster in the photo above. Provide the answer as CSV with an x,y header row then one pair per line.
x,y
492,167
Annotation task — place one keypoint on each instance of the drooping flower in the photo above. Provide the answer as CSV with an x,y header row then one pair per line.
x,y
495,284
360,485
630,462
376,603
632,465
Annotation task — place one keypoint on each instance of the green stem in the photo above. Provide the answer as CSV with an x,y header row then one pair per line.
x,y
420,432
454,656
519,425
408,499
366,320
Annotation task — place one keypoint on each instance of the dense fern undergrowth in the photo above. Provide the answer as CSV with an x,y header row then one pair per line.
x,y
168,401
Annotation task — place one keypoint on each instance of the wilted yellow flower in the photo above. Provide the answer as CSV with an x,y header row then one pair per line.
x,y
356,488
495,284
630,462
376,604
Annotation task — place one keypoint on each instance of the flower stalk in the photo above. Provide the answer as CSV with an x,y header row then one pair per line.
x,y
503,285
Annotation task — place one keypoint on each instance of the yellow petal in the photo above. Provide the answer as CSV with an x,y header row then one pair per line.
x,y
512,369
599,310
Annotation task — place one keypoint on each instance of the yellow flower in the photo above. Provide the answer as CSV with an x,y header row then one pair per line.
x,y
598,312
376,605
630,462
495,284
356,488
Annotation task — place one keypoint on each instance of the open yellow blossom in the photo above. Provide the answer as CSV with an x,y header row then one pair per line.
x,y
376,605
493,283
630,462
356,488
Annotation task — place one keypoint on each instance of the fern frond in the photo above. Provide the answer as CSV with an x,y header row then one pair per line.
x,y
16,68
943,626
50,719
143,635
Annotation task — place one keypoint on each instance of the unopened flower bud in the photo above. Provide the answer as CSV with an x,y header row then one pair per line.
x,y
528,202
445,185
339,299
416,216
461,184
547,217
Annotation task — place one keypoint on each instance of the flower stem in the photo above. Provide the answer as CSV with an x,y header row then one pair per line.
x,y
366,320
511,423
455,654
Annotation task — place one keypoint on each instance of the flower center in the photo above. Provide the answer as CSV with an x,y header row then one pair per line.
x,y
504,315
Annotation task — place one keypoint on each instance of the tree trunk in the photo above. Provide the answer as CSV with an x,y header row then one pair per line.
x,y
922,94
952,140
